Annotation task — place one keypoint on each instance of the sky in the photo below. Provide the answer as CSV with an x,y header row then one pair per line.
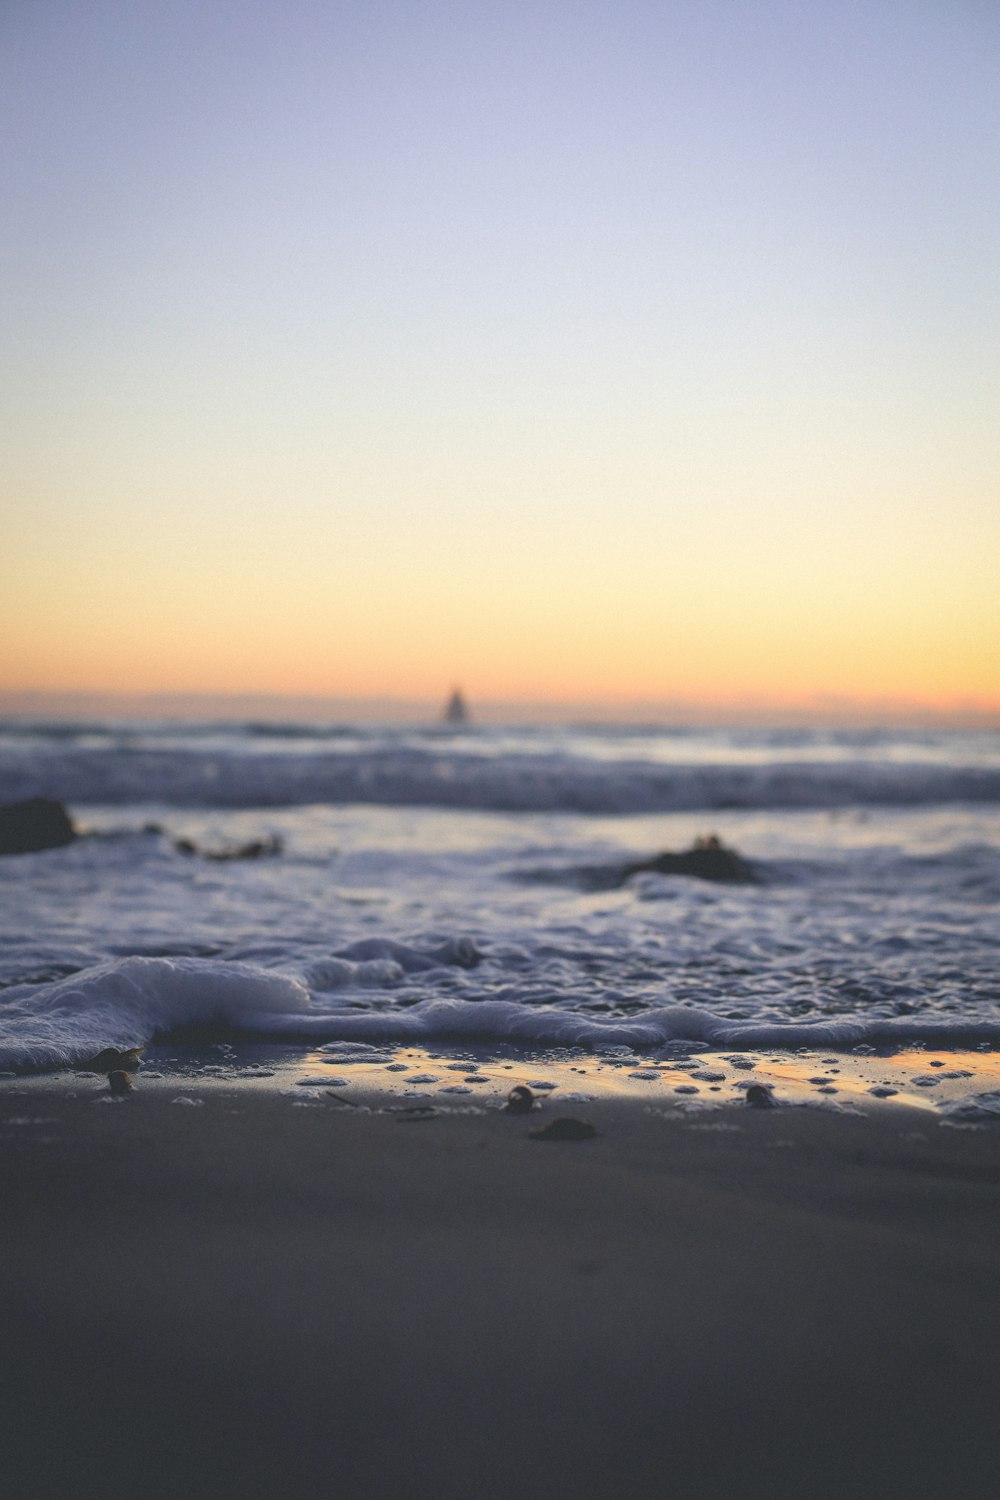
x,y
585,352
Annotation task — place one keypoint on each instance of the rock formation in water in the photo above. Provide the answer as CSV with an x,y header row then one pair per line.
x,y
256,849
38,823
707,859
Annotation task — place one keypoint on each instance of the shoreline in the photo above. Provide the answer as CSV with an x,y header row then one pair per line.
x,y
951,1086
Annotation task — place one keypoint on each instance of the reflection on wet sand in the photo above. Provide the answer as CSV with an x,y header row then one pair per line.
x,y
963,1086
915,1077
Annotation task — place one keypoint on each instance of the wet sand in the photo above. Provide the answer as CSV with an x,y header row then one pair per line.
x,y
254,1295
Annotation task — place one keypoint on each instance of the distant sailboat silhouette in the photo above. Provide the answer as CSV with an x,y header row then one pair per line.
x,y
456,710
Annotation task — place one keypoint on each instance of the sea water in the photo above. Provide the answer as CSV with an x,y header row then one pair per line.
x,y
420,886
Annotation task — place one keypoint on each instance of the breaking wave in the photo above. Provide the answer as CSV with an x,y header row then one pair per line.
x,y
413,776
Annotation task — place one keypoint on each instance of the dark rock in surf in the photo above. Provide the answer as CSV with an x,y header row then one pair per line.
x,y
119,1083
38,823
707,859
255,849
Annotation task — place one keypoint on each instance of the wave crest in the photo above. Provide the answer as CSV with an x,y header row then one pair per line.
x,y
509,783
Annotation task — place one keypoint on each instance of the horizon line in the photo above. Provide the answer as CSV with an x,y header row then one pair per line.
x,y
832,710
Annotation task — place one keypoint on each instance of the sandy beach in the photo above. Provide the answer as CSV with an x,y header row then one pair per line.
x,y
248,1295
499,593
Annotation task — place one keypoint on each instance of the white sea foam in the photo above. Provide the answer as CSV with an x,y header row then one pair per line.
x,y
128,1002
874,920
381,961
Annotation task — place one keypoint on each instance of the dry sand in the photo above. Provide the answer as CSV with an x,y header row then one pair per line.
x,y
252,1296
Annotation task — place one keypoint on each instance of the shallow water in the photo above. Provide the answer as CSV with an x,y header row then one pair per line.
x,y
873,922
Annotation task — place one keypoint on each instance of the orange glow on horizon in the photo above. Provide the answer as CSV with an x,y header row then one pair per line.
x,y
598,634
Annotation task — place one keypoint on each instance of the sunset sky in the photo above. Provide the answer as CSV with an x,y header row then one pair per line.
x,y
612,352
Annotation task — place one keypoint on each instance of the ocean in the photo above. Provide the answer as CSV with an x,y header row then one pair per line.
x,y
367,886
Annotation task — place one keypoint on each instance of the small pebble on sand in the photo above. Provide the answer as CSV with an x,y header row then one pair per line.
x,y
759,1097
519,1101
